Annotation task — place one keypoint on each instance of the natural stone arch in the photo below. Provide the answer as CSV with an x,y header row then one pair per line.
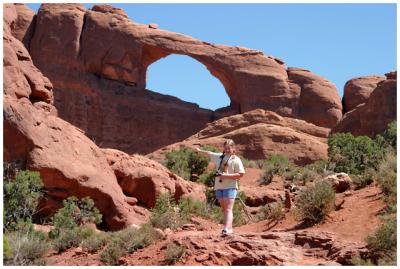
x,y
204,72
152,54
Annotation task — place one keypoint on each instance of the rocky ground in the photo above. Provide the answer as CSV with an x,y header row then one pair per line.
x,y
332,242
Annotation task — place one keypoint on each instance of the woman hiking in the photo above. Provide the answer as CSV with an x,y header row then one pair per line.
x,y
229,170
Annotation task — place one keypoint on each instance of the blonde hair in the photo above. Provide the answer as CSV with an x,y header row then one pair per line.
x,y
231,143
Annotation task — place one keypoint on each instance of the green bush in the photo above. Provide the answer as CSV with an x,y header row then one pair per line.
x,y
383,242
272,212
24,248
274,165
112,253
174,253
352,155
388,139
68,238
128,241
189,207
76,212
386,174
186,162
315,202
207,179
96,242
21,197
165,213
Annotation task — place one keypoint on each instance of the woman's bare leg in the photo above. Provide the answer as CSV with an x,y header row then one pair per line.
x,y
228,213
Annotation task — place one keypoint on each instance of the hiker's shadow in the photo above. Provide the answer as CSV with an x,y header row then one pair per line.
x,y
300,226
271,224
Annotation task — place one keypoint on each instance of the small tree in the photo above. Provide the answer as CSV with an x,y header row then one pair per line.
x,y
75,213
185,162
21,197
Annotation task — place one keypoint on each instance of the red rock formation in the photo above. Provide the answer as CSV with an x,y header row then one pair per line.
x,y
102,73
145,179
357,91
319,101
260,133
373,116
69,163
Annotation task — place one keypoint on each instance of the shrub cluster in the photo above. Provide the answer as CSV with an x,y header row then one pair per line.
x,y
186,162
315,202
174,253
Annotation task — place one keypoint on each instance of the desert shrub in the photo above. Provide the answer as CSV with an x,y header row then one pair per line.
x,y
21,197
383,242
185,162
68,238
24,248
352,155
165,213
173,253
189,207
112,253
274,165
207,179
361,181
96,242
128,241
272,212
388,139
315,202
299,174
386,174
75,213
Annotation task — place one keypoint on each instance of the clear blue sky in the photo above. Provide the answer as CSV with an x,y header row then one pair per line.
x,y
336,41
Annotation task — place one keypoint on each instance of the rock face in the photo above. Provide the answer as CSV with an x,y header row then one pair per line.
x,y
102,74
315,90
357,91
260,133
373,116
265,248
145,179
70,164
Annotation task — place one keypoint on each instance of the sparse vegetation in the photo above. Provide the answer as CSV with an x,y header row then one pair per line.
x,y
174,253
96,242
68,238
383,242
315,202
127,241
22,248
186,162
274,165
273,212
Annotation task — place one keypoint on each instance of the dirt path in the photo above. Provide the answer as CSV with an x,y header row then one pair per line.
x,y
331,242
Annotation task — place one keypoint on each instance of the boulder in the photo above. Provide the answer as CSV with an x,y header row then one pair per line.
x,y
373,116
358,90
341,182
259,134
145,179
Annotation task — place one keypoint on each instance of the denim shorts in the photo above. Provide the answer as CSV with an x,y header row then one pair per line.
x,y
226,193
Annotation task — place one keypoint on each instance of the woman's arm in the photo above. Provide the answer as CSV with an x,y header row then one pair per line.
x,y
231,176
